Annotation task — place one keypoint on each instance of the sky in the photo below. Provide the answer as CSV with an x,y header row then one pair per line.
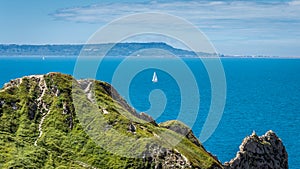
x,y
252,27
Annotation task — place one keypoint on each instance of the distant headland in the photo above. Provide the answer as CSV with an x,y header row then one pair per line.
x,y
117,50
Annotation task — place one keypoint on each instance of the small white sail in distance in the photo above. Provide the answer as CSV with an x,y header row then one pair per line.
x,y
154,78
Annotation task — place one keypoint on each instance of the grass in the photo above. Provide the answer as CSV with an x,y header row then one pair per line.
x,y
83,137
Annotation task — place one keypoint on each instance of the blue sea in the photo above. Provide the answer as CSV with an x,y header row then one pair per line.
x,y
262,94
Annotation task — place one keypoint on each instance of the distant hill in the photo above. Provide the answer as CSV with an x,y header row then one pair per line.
x,y
120,49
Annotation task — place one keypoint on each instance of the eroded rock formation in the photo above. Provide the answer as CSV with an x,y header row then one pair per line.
x,y
160,157
266,151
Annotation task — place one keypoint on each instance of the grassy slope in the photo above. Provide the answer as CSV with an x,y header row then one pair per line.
x,y
65,142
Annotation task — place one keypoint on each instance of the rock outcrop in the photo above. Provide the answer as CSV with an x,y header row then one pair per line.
x,y
160,157
266,152
181,129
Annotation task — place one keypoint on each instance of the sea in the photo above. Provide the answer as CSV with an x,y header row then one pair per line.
x,y
261,94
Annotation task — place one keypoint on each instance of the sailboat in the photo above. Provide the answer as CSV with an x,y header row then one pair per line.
x,y
154,78
43,58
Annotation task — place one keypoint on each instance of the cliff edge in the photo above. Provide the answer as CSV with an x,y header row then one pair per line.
x,y
56,121
266,151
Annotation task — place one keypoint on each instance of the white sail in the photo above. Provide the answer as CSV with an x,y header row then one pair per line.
x,y
154,78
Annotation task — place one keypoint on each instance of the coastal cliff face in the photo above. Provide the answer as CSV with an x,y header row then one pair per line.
x,y
266,152
41,127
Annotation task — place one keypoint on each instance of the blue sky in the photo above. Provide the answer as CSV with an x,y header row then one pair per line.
x,y
234,27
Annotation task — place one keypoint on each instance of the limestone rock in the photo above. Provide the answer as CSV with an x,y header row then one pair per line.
x,y
147,118
266,151
181,129
159,157
131,128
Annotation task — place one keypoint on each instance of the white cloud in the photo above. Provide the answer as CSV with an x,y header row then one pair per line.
x,y
191,10
228,21
210,15
296,2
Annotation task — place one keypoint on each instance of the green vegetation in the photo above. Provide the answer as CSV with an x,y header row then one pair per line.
x,y
82,133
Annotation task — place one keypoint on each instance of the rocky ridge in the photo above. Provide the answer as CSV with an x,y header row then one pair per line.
x,y
266,151
182,129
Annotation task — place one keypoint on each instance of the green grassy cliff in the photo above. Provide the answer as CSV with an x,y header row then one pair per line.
x,y
54,121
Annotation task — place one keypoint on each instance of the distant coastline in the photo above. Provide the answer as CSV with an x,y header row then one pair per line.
x,y
117,50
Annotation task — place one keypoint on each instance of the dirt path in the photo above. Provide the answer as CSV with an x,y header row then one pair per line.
x,y
43,88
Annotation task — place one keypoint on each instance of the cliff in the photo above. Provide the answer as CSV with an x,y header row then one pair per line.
x,y
266,151
55,121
